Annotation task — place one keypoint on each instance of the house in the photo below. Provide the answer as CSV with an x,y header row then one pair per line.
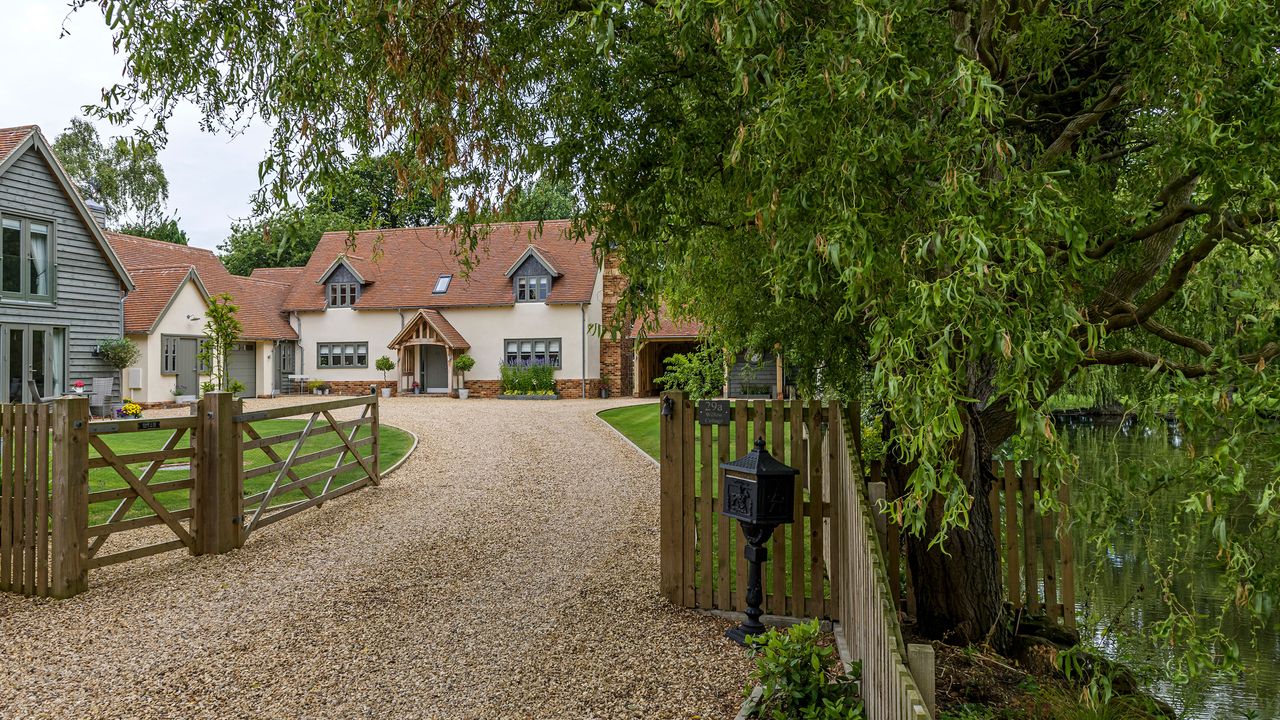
x,y
533,295
165,318
61,285
656,339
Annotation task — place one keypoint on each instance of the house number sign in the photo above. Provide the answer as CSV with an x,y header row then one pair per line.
x,y
713,412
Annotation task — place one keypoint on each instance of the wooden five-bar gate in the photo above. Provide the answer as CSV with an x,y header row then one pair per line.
x,y
187,492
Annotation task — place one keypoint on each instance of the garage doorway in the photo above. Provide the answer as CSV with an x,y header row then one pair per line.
x,y
242,365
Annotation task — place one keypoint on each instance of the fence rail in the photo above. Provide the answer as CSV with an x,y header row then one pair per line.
x,y
702,550
187,494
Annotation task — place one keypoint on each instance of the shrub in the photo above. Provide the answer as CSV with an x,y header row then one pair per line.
x,y
119,353
802,679
699,373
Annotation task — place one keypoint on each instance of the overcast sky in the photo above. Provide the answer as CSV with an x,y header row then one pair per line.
x,y
47,80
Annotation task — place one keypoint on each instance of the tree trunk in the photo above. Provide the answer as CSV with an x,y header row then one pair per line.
x,y
958,588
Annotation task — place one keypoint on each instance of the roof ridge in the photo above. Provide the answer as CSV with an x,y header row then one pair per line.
x,y
178,246
450,226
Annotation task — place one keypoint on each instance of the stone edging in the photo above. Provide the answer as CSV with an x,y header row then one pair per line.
x,y
749,706
626,439
396,465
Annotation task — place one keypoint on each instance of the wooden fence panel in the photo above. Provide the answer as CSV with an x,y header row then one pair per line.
x,y
705,565
25,548
868,616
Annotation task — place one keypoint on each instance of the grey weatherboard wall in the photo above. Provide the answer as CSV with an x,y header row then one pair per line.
x,y
89,292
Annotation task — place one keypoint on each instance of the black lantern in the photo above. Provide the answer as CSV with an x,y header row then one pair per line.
x,y
759,493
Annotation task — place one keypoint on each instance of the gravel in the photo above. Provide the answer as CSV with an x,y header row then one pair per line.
x,y
508,570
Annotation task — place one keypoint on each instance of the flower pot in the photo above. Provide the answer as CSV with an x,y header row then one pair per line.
x,y
317,391
463,393
386,392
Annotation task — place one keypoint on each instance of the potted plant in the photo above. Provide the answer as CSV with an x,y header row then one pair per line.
x,y
77,387
118,353
386,365
461,365
417,389
316,386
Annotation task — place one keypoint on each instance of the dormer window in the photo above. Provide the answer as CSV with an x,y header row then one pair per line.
x,y
533,288
442,285
343,294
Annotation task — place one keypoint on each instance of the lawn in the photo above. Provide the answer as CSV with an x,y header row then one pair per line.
x,y
394,444
640,425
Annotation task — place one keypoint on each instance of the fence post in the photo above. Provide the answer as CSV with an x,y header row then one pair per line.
x,y
671,519
373,433
70,497
920,662
216,494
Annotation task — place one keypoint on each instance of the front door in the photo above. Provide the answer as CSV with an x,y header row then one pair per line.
x,y
434,369
31,354
188,380
286,364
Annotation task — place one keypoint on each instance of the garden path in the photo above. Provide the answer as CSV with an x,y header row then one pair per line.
x,y
508,570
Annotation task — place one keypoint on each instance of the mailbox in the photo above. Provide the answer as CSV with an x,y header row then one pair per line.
x,y
758,489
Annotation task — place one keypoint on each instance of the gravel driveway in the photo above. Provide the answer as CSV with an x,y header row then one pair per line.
x,y
508,570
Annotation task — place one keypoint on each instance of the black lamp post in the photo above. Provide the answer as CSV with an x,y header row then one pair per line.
x,y
758,492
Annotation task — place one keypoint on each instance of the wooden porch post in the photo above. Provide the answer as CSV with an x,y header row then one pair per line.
x,y
70,497
781,390
448,355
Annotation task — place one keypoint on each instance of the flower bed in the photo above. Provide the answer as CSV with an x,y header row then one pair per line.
x,y
528,381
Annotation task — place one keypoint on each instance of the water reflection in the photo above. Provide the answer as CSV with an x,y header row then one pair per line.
x,y
1118,587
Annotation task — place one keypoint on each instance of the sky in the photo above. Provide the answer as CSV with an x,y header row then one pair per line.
x,y
210,176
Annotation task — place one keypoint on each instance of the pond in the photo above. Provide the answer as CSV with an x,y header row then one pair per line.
x,y
1118,588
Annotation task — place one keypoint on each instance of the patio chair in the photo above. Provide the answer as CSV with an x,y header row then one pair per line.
x,y
100,396
36,397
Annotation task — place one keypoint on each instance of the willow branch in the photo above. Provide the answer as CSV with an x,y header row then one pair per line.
x,y
1079,124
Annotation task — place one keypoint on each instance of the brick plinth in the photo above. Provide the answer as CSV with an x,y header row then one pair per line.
x,y
358,387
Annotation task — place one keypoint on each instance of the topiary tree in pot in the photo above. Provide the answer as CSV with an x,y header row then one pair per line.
x,y
386,365
461,365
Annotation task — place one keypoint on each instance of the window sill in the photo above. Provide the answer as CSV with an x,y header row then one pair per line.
x,y
27,303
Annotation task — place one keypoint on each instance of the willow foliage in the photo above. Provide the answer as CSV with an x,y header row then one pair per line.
x,y
964,205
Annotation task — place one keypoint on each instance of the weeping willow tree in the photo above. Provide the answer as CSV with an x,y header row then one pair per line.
x,y
962,206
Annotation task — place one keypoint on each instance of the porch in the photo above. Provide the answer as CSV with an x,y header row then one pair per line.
x,y
425,351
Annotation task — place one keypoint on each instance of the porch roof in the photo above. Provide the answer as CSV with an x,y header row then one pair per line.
x,y
448,334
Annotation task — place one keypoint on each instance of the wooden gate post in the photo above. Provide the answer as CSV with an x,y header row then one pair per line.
x,y
69,500
671,483
216,495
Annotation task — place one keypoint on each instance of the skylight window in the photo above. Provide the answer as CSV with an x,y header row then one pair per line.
x,y
442,285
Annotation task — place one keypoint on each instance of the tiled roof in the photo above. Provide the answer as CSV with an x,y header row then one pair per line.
x,y
401,266
443,327
666,328
154,289
284,275
259,300
11,138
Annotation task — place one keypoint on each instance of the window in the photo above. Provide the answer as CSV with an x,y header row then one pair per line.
x,y
168,355
343,294
442,285
26,258
346,354
539,351
533,288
